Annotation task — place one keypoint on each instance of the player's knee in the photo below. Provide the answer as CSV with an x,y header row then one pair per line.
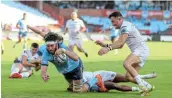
x,y
77,86
126,65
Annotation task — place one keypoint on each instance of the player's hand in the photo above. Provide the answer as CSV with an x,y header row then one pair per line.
x,y
59,51
170,26
45,77
98,42
103,51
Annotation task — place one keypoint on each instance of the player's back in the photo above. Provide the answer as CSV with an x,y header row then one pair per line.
x,y
134,39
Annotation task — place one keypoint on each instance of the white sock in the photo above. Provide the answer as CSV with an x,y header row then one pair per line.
x,y
139,81
148,76
147,85
25,74
135,89
16,70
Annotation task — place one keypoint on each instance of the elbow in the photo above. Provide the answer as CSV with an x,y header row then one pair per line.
x,y
121,46
24,63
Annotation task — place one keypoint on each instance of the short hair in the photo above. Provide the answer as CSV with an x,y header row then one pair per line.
x,y
35,45
51,36
115,14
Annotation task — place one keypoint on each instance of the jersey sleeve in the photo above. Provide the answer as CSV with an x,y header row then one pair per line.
x,y
82,24
25,53
125,29
44,60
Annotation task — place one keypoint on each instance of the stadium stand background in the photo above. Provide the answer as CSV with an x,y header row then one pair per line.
x,y
150,17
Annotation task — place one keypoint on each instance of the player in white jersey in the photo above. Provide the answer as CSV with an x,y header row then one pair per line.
x,y
29,59
111,79
139,51
74,26
22,26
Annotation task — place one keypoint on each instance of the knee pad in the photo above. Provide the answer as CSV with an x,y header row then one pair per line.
x,y
77,86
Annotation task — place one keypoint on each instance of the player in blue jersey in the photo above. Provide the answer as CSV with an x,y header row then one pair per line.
x,y
72,68
22,26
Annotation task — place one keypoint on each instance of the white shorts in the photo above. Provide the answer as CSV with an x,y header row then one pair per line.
x,y
106,75
142,52
25,69
76,41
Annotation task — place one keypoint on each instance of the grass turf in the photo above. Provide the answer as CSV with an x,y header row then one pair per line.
x,y
160,61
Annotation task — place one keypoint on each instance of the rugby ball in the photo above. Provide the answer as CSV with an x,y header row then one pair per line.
x,y
62,58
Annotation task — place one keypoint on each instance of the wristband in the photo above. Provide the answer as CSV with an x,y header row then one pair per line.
x,y
110,47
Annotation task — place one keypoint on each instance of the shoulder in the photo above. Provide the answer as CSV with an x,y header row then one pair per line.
x,y
79,20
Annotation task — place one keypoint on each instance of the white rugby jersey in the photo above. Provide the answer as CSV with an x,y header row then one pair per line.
x,y
134,39
106,75
74,26
28,54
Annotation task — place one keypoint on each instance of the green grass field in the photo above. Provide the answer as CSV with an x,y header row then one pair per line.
x,y
160,61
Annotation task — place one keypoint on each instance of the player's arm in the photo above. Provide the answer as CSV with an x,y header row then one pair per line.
x,y
66,28
83,29
36,30
70,54
120,42
44,67
25,62
44,75
18,24
116,45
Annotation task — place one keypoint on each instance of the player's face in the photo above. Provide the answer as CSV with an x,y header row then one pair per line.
x,y
74,15
116,21
34,50
51,48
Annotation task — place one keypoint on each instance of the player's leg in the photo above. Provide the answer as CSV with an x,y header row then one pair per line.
x,y
15,70
114,86
149,76
26,74
80,47
125,78
25,41
130,64
19,39
120,78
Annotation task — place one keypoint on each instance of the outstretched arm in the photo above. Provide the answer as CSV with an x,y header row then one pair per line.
x,y
44,75
116,45
36,30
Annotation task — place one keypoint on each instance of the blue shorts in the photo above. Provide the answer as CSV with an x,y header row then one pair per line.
x,y
22,34
76,74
